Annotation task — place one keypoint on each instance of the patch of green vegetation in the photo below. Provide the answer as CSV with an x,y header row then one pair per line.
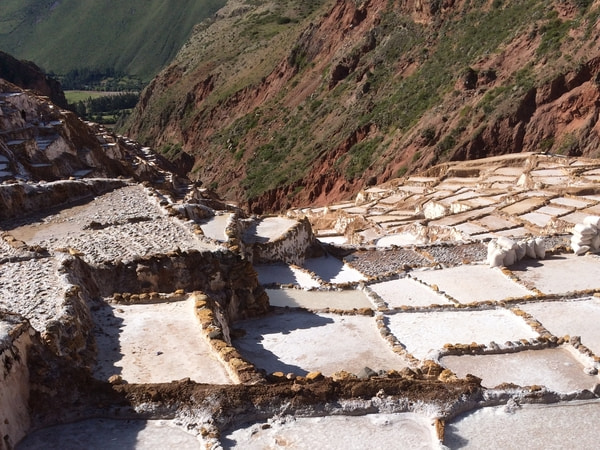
x,y
553,34
82,96
446,144
492,98
428,134
461,41
569,145
101,107
546,144
360,156
171,150
583,4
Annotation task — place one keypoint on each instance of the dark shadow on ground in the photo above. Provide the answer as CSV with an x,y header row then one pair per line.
x,y
275,274
107,328
452,439
91,434
326,268
251,345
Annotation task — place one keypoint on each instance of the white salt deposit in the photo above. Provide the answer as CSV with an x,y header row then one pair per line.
x,y
297,298
332,270
571,202
558,426
406,291
421,333
107,434
268,229
284,274
537,218
214,228
561,273
473,283
555,368
573,318
470,228
553,210
401,239
374,431
302,342
154,343
335,240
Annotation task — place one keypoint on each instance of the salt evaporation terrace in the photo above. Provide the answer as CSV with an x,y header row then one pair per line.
x,y
389,327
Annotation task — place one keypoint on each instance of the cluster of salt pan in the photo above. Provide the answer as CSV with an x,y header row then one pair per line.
x,y
586,236
505,252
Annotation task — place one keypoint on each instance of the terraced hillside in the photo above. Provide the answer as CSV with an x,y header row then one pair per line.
x,y
136,37
456,308
282,106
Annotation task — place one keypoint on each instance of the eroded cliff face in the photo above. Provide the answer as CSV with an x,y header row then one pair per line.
x,y
29,76
359,92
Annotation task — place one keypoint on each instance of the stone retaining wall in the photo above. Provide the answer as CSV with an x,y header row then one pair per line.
x,y
223,275
291,248
20,199
15,341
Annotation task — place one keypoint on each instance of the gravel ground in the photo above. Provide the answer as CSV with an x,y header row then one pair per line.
x,y
456,255
379,262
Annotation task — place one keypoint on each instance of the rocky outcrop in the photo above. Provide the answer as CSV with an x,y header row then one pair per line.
x,y
29,76
41,142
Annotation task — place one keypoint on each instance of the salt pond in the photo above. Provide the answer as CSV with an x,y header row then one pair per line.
x,y
405,430
561,273
268,229
399,240
423,332
284,274
573,318
301,342
154,343
407,292
297,298
332,270
473,283
563,425
215,227
107,434
555,368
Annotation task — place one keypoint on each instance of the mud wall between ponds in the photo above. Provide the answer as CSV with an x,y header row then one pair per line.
x,y
70,334
15,341
20,199
293,247
224,276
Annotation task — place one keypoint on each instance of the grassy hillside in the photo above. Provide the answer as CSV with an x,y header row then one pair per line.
x,y
361,91
136,37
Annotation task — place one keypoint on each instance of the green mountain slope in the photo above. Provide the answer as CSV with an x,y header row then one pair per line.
x,y
136,37
314,107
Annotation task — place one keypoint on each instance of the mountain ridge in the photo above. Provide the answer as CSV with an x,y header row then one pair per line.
x,y
137,37
361,92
